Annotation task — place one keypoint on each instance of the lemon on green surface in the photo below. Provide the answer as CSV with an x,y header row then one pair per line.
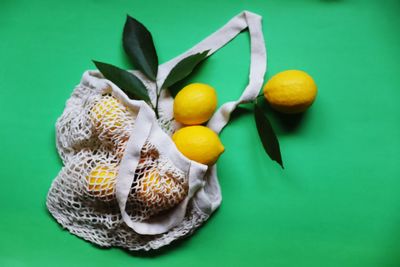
x,y
290,91
195,104
198,143
101,180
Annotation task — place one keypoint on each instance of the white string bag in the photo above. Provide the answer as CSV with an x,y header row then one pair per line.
x,y
124,183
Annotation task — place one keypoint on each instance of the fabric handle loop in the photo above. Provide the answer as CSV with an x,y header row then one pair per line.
x,y
258,61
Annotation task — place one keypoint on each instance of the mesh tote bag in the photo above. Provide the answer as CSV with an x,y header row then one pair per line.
x,y
124,183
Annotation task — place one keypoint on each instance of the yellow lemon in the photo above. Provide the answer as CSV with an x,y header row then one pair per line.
x,y
290,91
159,192
198,143
152,181
107,113
195,104
101,181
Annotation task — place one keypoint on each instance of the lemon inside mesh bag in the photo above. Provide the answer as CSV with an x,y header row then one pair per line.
x,y
101,181
112,122
157,188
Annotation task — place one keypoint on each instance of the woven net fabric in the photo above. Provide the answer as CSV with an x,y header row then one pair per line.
x,y
91,137
157,186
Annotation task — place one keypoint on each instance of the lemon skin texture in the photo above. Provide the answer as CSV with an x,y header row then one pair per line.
x,y
101,180
195,104
198,143
107,111
291,91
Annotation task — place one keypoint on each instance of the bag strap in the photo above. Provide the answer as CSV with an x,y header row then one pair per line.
x,y
258,61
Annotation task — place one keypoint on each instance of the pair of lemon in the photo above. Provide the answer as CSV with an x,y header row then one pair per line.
x,y
153,189
193,106
108,116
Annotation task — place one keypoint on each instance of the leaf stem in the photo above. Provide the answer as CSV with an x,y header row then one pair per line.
x,y
151,104
157,101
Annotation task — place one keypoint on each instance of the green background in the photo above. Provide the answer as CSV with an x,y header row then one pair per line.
x,y
337,203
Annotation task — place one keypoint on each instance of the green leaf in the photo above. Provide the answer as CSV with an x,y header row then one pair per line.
x,y
184,68
139,46
125,80
267,135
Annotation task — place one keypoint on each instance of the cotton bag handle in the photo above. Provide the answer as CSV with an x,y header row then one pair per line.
x,y
258,61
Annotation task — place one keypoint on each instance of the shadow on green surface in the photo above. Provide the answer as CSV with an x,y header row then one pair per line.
x,y
159,252
282,123
241,111
288,123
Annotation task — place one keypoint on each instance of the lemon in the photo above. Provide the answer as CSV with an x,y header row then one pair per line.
x,y
198,143
107,113
153,181
290,91
101,181
159,192
195,104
